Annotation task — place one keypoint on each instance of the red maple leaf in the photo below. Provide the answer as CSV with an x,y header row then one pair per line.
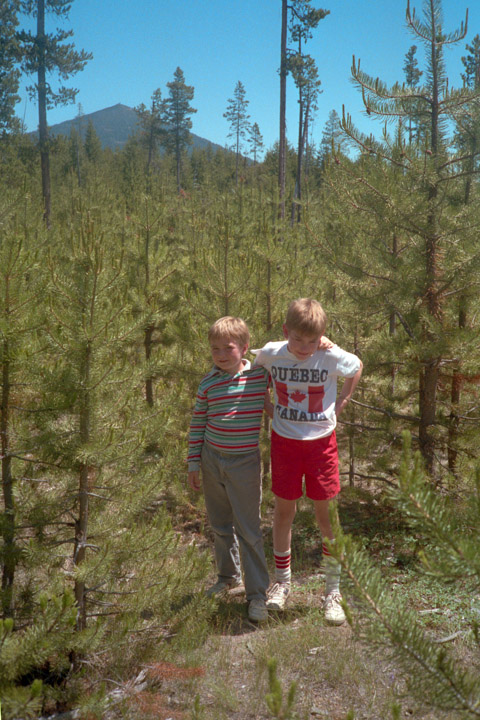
x,y
298,396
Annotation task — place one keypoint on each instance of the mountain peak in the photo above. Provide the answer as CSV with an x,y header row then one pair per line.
x,y
113,125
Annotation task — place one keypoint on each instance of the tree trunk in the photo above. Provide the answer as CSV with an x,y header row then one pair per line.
x,y
148,344
237,153
298,182
8,524
282,142
429,372
149,330
178,159
302,140
268,328
455,392
393,319
351,431
428,412
81,524
42,114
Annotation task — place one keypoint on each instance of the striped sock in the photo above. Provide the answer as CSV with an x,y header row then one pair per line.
x,y
283,571
332,571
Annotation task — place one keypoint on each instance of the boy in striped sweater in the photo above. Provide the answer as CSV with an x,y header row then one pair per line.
x,y
223,443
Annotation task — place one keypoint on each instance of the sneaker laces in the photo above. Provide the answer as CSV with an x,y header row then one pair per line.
x,y
278,590
333,598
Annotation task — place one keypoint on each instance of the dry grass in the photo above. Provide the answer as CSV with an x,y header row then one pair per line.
x,y
337,674
227,679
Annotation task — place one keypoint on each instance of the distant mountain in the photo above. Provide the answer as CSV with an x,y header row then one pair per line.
x,y
114,125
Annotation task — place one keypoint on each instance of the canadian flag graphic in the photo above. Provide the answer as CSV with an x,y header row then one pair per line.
x,y
315,394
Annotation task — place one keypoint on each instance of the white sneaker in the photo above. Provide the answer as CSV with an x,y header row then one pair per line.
x,y
277,595
332,606
257,610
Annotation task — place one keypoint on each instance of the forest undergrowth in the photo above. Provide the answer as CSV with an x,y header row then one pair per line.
x,y
228,667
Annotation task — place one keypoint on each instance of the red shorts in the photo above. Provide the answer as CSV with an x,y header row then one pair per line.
x,y
317,460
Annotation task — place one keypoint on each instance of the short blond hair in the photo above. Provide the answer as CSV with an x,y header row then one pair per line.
x,y
306,316
230,327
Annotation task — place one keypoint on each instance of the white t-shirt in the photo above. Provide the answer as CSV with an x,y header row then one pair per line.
x,y
305,390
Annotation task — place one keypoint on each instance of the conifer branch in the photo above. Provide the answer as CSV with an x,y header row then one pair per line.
x,y
389,413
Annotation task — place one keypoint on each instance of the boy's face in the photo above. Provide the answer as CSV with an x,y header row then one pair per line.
x,y
302,346
227,354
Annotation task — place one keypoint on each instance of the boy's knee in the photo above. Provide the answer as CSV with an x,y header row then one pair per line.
x,y
285,509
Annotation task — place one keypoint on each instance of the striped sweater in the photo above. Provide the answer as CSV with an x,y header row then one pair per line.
x,y
228,412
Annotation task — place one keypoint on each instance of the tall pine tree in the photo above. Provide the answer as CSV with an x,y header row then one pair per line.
x,y
433,173
44,52
176,115
9,73
237,116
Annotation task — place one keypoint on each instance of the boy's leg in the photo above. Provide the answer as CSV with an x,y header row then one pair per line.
x,y
334,612
332,567
283,515
287,476
244,491
220,516
323,484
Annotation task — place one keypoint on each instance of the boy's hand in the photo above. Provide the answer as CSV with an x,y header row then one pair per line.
x,y
268,405
194,480
340,405
324,343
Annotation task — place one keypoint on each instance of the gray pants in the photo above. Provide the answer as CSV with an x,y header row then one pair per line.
x,y
233,492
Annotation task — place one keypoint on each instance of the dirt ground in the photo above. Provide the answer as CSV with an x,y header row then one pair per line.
x,y
337,676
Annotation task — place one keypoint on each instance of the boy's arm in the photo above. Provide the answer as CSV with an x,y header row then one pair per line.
x,y
195,440
348,388
268,405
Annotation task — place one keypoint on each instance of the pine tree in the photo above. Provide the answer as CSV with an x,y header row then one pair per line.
x,y
304,71
47,51
332,138
412,78
255,141
303,19
152,126
177,110
94,552
429,169
440,678
282,136
468,123
76,152
471,62
155,263
237,116
132,173
20,289
92,149
92,144
9,73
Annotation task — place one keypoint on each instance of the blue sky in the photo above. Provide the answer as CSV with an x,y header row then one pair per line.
x,y
138,45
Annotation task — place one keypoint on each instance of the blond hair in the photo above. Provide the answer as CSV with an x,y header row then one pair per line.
x,y
230,327
306,316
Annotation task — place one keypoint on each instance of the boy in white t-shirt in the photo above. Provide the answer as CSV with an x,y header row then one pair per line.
x,y
305,411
